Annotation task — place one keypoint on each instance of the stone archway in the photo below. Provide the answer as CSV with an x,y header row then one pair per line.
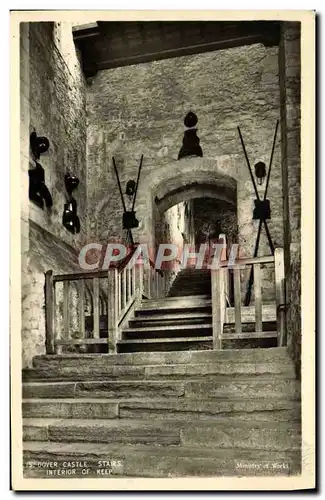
x,y
191,178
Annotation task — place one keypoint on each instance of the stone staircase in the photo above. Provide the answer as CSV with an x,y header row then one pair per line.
x,y
191,281
162,414
170,324
183,320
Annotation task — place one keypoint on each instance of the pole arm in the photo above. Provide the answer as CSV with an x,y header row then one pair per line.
x,y
271,160
248,164
137,184
119,184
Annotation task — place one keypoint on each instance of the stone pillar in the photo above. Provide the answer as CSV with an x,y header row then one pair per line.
x,y
289,64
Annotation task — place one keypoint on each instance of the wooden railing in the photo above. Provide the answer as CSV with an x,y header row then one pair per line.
x,y
237,271
91,308
110,298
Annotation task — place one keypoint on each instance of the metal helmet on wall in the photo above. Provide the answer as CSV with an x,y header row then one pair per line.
x,y
39,145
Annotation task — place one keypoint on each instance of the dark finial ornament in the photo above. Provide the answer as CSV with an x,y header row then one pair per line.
x,y
70,219
191,142
190,120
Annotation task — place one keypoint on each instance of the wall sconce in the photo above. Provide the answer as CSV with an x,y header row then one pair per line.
x,y
38,145
70,219
260,172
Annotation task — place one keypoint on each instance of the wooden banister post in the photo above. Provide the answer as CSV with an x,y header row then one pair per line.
x,y
139,279
49,313
112,309
280,294
149,282
96,319
216,307
82,308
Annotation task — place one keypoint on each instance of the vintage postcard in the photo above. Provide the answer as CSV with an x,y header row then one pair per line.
x,y
162,287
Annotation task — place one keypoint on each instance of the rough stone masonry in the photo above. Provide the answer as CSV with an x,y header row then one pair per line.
x,y
134,110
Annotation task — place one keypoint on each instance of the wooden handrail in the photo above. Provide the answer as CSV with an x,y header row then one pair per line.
x,y
245,262
102,273
79,276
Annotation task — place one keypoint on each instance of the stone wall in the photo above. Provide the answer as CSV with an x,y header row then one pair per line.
x,y
176,226
140,109
290,65
24,200
58,111
53,103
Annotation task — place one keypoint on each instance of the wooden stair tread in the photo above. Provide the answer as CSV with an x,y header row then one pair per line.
x,y
156,340
173,316
171,299
167,328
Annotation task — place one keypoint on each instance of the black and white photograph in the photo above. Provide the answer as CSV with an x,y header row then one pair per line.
x,y
159,330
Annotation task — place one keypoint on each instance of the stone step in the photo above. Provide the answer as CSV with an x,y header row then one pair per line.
x,y
165,344
165,332
195,370
258,410
103,388
47,363
216,369
62,371
200,433
99,430
276,386
273,410
153,461
70,408
261,386
244,435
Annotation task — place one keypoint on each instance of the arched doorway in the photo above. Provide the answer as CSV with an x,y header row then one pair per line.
x,y
188,179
